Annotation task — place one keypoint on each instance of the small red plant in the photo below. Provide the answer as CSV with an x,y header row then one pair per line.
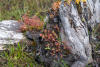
x,y
31,23
54,9
56,5
50,37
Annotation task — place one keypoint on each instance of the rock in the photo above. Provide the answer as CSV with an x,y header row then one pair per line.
x,y
32,35
9,32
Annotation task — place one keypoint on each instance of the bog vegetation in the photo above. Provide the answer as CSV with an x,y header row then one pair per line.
x,y
32,13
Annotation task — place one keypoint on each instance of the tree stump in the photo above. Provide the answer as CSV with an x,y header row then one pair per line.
x,y
77,20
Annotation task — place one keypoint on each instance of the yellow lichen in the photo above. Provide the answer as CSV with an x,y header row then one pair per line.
x,y
78,1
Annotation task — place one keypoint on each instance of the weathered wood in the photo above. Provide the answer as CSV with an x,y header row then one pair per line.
x,y
94,6
74,31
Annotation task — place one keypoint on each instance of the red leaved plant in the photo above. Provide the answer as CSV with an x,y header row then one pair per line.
x,y
31,23
50,37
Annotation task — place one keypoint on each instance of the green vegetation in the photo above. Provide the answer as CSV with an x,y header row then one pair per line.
x,y
16,57
14,9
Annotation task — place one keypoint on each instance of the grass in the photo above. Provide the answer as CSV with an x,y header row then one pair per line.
x,y
16,57
14,9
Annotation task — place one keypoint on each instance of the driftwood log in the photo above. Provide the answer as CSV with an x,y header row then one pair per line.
x,y
76,22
